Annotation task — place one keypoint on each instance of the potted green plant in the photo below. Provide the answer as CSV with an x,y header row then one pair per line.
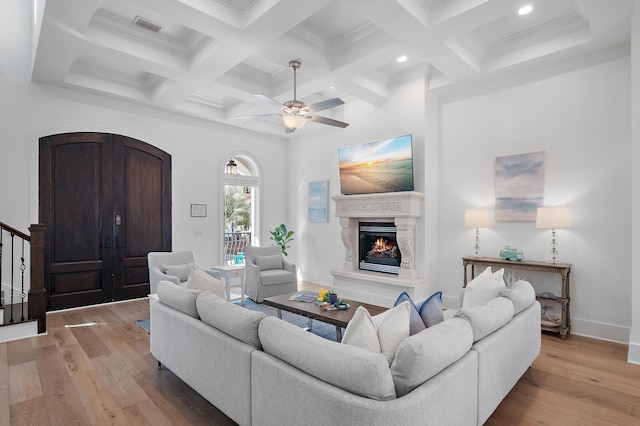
x,y
281,236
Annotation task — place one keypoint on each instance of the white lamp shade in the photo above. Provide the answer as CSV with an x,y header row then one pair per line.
x,y
477,218
294,121
553,217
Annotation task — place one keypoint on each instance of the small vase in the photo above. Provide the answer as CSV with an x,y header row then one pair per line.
x,y
333,298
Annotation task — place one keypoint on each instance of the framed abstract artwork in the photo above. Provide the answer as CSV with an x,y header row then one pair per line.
x,y
318,202
519,186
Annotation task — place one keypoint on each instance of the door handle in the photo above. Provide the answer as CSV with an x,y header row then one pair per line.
x,y
118,245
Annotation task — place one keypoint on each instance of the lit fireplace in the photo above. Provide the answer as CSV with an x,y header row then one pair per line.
x,y
378,247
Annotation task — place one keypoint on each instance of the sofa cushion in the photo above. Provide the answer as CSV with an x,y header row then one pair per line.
x,y
231,319
425,354
431,310
179,298
522,295
483,288
350,368
200,280
416,325
486,319
361,331
276,276
266,263
428,313
391,327
180,271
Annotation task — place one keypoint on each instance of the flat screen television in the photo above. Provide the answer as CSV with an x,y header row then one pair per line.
x,y
382,166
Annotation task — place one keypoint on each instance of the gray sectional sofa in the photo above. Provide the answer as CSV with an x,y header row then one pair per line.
x,y
264,371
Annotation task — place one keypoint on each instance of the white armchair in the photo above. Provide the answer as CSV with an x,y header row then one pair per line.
x,y
172,266
268,273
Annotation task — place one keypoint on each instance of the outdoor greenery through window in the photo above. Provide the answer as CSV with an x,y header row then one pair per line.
x,y
238,208
241,189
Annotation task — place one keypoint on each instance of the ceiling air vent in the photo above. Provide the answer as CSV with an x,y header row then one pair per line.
x,y
144,23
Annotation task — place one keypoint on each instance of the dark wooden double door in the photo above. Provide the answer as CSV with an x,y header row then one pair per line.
x,y
106,202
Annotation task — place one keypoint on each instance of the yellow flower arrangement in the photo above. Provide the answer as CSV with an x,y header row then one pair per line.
x,y
323,295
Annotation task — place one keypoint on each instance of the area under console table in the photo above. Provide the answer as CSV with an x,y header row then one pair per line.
x,y
564,269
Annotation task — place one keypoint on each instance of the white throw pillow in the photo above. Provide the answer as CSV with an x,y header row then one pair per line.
x,y
200,280
483,288
361,331
382,333
392,327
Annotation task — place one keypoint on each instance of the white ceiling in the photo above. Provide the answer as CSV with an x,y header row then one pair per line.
x,y
210,56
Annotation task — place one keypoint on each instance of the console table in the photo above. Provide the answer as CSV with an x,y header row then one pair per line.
x,y
564,269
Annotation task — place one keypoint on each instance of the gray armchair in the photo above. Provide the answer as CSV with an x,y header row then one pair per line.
x,y
268,273
172,266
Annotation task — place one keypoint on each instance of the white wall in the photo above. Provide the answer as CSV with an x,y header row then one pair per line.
x,y
580,118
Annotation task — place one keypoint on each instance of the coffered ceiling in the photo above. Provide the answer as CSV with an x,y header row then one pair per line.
x,y
207,58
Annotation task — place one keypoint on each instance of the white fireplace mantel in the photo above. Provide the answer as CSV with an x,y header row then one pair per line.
x,y
403,209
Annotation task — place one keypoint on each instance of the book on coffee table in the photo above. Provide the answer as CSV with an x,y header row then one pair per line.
x,y
304,296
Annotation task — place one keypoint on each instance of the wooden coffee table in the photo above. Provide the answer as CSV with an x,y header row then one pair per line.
x,y
339,318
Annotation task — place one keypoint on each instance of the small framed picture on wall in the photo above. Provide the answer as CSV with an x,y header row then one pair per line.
x,y
198,210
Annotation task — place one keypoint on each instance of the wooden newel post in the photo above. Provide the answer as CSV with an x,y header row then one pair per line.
x,y
37,293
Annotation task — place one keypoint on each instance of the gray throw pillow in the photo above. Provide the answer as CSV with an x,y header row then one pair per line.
x,y
266,263
180,271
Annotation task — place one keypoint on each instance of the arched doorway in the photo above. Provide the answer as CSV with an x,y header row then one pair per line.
x,y
241,200
106,202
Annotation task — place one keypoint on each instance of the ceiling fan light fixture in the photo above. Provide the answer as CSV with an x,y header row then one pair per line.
x,y
294,121
525,10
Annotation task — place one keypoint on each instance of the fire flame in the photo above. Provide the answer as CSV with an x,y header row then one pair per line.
x,y
382,244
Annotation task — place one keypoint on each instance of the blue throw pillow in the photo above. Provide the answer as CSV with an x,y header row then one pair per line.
x,y
416,325
431,310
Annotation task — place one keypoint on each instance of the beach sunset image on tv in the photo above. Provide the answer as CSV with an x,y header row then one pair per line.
x,y
383,166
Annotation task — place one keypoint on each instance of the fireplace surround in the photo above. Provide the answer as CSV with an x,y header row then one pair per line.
x,y
399,210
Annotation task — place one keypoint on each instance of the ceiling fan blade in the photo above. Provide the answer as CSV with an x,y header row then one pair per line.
x,y
325,120
257,115
268,99
322,105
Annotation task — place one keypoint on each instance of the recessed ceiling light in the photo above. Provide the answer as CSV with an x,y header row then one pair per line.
x,y
402,58
525,9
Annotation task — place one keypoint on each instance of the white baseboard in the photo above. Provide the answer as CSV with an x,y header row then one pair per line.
x,y
600,331
18,331
634,353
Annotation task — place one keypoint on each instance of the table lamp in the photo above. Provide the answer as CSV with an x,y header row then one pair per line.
x,y
553,218
477,218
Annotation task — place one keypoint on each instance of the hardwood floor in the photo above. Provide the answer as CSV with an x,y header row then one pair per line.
x,y
98,374
104,374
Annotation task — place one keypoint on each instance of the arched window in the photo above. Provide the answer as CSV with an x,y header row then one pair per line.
x,y
241,200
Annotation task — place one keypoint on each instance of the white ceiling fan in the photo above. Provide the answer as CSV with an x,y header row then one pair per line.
x,y
295,113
